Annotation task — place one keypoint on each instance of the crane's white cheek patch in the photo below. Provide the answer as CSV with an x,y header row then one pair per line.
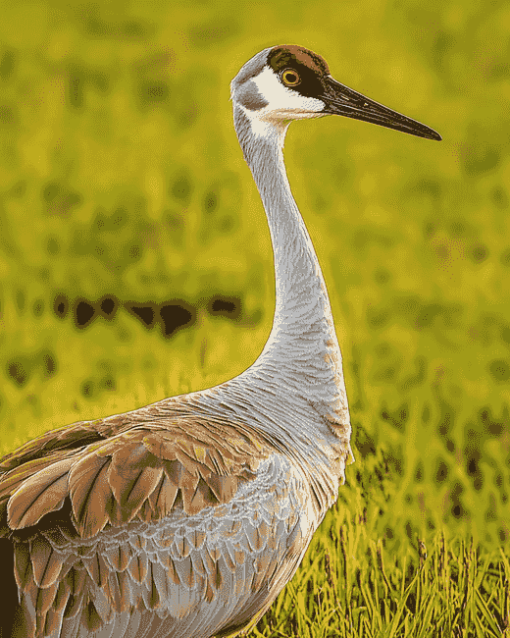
x,y
282,100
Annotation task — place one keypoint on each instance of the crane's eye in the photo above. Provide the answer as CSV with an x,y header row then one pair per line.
x,y
290,77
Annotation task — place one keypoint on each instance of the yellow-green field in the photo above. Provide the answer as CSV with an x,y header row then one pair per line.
x,y
121,179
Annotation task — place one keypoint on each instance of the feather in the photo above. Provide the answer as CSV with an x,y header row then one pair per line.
x,y
76,579
133,477
67,565
14,477
295,543
40,494
272,569
138,567
291,521
137,541
229,549
216,577
201,498
45,598
121,590
150,593
97,569
90,619
197,538
186,458
160,579
244,543
166,538
188,492
182,547
52,621
223,487
215,553
62,596
264,529
172,573
163,497
272,540
197,564
257,582
164,559
210,593
207,559
229,559
89,491
114,512
175,472
261,562
159,445
145,513
184,569
46,562
239,556
255,538
23,572
119,556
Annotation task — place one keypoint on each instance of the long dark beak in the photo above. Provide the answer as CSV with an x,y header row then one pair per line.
x,y
341,100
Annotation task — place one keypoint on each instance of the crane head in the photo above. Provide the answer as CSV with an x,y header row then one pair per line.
x,y
289,82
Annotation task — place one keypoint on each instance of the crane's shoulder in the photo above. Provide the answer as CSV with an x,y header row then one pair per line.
x,y
114,473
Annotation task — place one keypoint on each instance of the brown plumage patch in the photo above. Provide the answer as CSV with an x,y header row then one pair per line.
x,y
140,474
289,54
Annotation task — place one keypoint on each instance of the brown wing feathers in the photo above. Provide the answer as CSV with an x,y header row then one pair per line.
x,y
40,494
139,474
70,491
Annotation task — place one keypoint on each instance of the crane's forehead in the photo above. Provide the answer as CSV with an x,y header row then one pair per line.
x,y
288,54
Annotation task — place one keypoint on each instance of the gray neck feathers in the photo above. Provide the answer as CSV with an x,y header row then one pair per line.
x,y
301,360
303,333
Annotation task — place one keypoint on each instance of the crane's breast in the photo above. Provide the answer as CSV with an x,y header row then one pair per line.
x,y
183,576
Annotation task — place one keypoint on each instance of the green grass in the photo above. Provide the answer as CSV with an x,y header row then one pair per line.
x,y
450,590
120,175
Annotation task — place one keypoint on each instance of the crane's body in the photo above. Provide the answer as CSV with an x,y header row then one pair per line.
x,y
185,518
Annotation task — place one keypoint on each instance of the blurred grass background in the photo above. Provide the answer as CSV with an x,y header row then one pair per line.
x,y
126,209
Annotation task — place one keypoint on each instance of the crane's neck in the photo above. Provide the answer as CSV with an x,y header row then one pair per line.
x,y
294,393
302,351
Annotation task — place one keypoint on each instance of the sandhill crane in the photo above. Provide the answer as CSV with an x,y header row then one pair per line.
x,y
185,518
